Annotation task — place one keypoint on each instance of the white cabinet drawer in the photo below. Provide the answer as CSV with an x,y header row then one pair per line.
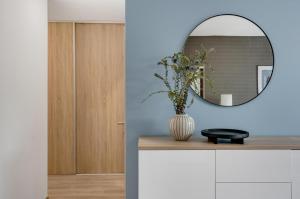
x,y
253,191
176,174
253,166
296,173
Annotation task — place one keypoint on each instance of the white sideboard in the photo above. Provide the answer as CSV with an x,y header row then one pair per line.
x,y
159,170
262,168
296,174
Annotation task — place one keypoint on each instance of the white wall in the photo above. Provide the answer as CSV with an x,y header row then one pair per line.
x,y
87,10
23,99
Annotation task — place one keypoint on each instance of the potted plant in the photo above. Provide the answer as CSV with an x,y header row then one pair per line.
x,y
185,72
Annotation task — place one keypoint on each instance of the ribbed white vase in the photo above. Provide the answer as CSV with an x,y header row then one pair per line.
x,y
182,127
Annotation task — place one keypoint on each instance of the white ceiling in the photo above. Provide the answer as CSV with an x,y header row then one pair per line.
x,y
227,25
86,10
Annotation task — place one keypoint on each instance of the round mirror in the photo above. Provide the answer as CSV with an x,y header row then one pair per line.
x,y
240,60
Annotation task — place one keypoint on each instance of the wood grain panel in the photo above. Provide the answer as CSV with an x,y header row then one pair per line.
x,y
86,187
100,98
61,135
252,143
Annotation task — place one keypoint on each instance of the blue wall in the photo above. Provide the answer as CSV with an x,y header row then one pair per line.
x,y
155,28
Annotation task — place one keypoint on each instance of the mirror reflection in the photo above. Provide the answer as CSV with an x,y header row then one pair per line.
x,y
241,61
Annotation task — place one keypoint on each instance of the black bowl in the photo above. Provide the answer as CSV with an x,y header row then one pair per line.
x,y
234,135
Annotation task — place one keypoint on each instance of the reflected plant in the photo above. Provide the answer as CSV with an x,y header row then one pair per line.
x,y
186,71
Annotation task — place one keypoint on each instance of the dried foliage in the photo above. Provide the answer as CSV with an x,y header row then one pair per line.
x,y
185,72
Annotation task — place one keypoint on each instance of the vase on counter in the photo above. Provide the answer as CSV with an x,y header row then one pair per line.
x,y
182,127
181,72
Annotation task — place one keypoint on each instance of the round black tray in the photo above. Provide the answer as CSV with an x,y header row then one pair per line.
x,y
234,135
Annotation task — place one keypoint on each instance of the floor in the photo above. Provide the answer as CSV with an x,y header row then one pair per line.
x,y
86,186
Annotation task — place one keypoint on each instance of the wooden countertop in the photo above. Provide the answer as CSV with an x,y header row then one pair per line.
x,y
251,143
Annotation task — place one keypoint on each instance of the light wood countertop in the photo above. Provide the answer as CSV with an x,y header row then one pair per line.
x,y
251,143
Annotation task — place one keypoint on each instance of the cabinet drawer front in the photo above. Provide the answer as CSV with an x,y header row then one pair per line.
x,y
176,174
253,191
296,173
253,166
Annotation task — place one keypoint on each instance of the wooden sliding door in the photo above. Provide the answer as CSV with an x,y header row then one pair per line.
x,y
100,98
61,132
86,98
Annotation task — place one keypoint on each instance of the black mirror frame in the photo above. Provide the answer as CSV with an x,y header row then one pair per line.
x,y
256,76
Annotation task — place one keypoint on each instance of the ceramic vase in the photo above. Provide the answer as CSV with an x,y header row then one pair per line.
x,y
182,127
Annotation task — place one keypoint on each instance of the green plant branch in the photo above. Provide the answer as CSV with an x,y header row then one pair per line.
x,y
153,93
167,84
186,71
